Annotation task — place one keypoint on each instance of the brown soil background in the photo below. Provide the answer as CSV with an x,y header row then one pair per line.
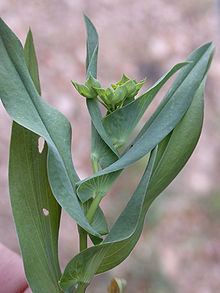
x,y
179,250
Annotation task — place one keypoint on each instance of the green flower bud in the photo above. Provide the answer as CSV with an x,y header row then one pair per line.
x,y
109,94
119,94
88,90
134,92
123,79
92,82
102,94
83,90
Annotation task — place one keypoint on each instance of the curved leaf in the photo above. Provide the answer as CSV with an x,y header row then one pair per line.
x,y
92,45
182,140
25,107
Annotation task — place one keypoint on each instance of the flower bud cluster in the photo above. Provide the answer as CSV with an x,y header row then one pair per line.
x,y
113,97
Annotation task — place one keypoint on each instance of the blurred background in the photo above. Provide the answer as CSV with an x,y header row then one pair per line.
x,y
179,250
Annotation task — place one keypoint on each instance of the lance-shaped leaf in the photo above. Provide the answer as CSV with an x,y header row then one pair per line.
x,y
162,122
31,61
178,147
121,238
23,103
92,45
172,154
100,144
36,212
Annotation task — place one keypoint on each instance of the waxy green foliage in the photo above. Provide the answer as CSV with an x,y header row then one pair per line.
x,y
41,183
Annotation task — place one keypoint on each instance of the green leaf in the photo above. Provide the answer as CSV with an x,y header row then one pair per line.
x,y
32,200
162,122
96,118
91,69
101,154
119,242
35,210
179,146
23,103
99,222
31,61
92,46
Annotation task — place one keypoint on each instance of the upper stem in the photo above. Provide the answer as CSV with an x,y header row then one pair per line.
x,y
82,238
93,207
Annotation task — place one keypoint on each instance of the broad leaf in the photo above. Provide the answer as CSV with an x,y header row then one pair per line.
x,y
162,122
25,106
35,210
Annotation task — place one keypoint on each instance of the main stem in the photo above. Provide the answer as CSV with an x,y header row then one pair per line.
x,y
82,239
93,207
91,212
90,215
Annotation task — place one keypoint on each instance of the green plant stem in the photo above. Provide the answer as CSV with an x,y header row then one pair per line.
x,y
90,213
82,238
95,165
96,201
93,207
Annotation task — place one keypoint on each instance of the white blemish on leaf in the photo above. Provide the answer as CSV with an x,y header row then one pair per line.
x,y
45,212
41,142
